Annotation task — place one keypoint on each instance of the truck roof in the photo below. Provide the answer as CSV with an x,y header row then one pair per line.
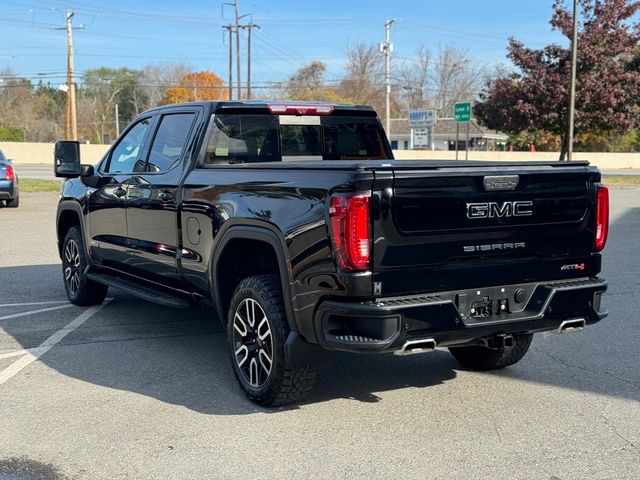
x,y
270,105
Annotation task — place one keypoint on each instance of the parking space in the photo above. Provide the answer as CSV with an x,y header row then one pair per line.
x,y
135,390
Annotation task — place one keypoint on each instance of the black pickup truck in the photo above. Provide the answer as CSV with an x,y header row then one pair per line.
x,y
295,223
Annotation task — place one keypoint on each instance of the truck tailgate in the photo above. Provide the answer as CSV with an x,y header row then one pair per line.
x,y
453,228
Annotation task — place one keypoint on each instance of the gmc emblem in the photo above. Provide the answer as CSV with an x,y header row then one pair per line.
x,y
499,210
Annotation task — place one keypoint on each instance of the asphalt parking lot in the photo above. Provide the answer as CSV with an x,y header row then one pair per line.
x,y
134,390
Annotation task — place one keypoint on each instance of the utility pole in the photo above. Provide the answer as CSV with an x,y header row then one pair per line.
x,y
572,95
71,122
235,3
386,47
249,27
230,29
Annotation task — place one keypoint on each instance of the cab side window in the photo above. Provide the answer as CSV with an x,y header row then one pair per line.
x,y
243,139
128,151
170,141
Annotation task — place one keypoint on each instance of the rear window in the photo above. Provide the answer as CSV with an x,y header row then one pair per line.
x,y
273,138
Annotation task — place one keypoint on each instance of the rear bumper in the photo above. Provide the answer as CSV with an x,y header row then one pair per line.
x,y
386,324
7,190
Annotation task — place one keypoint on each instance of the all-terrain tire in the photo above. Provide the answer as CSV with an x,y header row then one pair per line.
x,y
484,358
251,340
80,290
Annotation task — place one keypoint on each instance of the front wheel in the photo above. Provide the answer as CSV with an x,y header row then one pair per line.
x,y
479,357
80,290
257,329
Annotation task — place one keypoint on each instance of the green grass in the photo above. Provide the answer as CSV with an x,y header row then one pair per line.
x,y
621,179
35,185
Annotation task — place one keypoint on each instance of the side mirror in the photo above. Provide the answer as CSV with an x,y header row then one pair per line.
x,y
67,159
89,177
87,170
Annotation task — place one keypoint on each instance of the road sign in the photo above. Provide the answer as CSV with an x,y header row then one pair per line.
x,y
462,112
420,137
422,118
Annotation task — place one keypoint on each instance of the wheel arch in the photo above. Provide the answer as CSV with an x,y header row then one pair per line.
x,y
226,262
69,214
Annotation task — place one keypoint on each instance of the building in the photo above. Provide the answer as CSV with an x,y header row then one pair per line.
x,y
443,136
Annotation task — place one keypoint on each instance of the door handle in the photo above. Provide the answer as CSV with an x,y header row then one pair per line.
x,y
119,192
165,196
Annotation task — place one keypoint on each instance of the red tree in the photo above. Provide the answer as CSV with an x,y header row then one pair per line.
x,y
537,96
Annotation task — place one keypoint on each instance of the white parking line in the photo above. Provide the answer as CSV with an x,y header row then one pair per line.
x,y
17,353
28,304
34,354
33,312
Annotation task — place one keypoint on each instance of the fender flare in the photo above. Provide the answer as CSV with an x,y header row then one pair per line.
x,y
66,206
262,234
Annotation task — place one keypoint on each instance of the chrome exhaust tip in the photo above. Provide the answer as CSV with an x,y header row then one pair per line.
x,y
573,325
417,346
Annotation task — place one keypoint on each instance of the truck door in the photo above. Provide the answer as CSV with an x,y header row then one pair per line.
x,y
106,205
153,199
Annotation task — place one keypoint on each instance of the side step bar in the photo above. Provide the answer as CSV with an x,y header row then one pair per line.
x,y
417,346
141,291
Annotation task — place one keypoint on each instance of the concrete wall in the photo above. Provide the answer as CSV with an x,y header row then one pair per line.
x,y
42,153
38,153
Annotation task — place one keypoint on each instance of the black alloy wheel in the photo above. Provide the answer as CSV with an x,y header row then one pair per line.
x,y
252,342
80,290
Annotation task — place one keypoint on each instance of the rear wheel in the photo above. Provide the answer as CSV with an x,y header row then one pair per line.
x,y
257,329
479,357
14,203
80,290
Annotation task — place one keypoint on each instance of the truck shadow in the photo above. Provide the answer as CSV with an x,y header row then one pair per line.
x,y
180,356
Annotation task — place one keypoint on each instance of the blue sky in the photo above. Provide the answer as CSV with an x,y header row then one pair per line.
x,y
127,33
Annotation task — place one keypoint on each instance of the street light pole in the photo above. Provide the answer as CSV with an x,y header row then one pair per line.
x,y
572,94
386,47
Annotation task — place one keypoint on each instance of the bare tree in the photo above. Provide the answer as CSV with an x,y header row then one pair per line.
x,y
454,78
413,80
16,106
155,78
309,83
364,82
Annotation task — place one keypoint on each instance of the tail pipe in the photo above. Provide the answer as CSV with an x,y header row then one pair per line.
x,y
417,346
572,325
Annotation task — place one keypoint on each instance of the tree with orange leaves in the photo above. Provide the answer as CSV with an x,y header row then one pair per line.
x,y
203,85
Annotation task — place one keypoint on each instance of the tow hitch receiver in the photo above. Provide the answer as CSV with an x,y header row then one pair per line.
x,y
498,341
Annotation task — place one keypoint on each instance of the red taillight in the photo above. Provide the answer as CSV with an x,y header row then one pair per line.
x,y
602,217
350,230
9,174
300,109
